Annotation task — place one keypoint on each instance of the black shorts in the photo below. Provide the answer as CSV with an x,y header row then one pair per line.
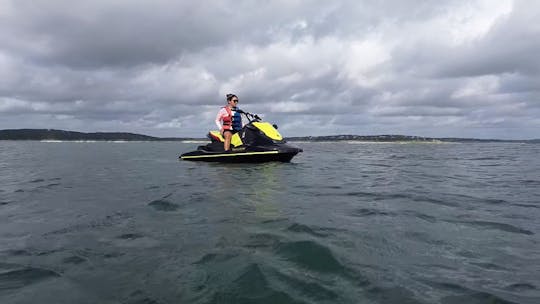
x,y
232,131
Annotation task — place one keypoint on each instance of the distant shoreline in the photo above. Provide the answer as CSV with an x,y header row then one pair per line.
x,y
52,135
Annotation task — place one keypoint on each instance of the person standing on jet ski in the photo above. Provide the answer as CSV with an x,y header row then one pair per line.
x,y
229,120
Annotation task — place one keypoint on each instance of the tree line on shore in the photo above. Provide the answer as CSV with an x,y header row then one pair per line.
x,y
62,135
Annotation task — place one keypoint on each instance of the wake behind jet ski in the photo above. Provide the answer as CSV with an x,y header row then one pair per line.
x,y
257,141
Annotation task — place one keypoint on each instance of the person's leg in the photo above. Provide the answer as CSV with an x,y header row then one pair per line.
x,y
227,144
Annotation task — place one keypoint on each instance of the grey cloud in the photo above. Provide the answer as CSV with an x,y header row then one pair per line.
x,y
163,67
507,48
520,84
126,33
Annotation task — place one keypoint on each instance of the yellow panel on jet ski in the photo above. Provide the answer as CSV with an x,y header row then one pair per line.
x,y
269,130
235,140
217,135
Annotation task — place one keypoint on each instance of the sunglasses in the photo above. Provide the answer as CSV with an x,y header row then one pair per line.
x,y
234,100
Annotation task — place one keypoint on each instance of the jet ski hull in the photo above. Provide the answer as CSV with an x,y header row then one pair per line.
x,y
247,156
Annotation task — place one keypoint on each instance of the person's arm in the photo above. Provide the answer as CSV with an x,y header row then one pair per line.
x,y
218,119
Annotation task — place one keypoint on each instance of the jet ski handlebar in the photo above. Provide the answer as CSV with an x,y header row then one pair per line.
x,y
249,116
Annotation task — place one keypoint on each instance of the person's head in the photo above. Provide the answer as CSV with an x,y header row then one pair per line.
x,y
232,100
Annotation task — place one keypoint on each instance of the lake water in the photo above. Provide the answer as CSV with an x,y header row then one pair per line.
x,y
343,223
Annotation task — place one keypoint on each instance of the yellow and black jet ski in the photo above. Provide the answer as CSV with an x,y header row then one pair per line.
x,y
256,142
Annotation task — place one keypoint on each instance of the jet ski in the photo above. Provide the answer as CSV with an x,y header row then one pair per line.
x,y
258,141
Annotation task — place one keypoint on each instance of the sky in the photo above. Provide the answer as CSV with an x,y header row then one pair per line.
x,y
163,67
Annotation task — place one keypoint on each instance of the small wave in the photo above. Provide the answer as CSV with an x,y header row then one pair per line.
x,y
112,255
108,221
419,215
139,297
23,277
486,158
448,286
468,254
167,195
315,231
18,252
441,202
29,252
163,205
370,212
530,182
496,226
252,286
350,193
314,290
304,186
360,193
49,186
73,260
490,165
473,200
520,287
490,266
213,258
527,217
263,240
310,255
378,165
45,252
475,297
436,267
494,201
130,236
274,220
527,206
465,295
391,295
425,238
449,202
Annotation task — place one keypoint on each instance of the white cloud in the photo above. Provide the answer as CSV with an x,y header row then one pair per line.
x,y
473,19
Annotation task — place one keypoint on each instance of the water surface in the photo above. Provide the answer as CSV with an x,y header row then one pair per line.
x,y
343,223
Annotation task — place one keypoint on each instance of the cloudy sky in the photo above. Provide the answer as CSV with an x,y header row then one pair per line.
x,y
163,67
